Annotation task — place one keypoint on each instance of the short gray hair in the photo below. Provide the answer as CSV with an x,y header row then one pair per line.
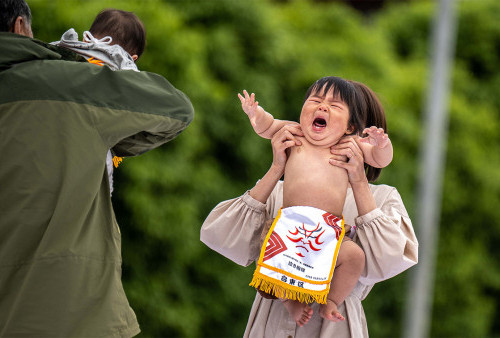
x,y
10,10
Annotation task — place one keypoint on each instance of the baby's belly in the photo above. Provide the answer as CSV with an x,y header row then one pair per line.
x,y
324,190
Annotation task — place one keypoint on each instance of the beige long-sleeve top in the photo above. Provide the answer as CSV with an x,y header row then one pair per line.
x,y
386,235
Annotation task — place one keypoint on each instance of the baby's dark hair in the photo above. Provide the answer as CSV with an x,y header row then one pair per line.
x,y
346,91
374,116
10,10
125,28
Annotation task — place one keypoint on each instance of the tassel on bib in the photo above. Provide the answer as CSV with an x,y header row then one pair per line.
x,y
269,286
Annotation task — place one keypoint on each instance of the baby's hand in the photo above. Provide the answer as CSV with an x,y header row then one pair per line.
x,y
251,107
376,137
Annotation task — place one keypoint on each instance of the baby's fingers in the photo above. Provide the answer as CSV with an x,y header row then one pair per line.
x,y
369,129
249,98
374,132
383,141
242,99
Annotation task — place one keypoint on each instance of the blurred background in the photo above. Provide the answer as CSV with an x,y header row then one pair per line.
x,y
213,49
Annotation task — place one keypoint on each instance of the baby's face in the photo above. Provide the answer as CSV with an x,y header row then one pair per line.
x,y
324,119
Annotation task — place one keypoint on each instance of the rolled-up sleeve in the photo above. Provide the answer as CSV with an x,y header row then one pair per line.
x,y
233,229
387,237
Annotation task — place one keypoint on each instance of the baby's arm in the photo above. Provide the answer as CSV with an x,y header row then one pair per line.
x,y
264,124
376,147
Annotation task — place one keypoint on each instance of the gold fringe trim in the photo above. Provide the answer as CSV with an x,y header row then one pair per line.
x,y
117,160
270,285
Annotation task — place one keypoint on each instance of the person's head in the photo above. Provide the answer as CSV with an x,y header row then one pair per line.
x,y
125,28
331,110
374,116
15,17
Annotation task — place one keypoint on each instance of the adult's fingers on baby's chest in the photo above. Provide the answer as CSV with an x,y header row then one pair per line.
x,y
338,157
287,133
354,146
295,128
342,147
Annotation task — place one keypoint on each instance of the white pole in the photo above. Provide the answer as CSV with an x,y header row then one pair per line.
x,y
434,136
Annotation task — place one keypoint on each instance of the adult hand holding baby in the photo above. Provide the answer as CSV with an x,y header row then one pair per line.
x,y
285,138
348,155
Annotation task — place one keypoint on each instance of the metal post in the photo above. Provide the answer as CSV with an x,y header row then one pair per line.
x,y
435,131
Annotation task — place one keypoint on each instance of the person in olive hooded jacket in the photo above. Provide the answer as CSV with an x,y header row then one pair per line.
x,y
60,259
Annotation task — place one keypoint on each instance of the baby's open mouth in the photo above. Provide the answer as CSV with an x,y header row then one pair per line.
x,y
319,122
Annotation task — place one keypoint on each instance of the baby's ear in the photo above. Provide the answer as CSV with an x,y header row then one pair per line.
x,y
350,130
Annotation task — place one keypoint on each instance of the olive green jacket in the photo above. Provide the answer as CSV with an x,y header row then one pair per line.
x,y
60,254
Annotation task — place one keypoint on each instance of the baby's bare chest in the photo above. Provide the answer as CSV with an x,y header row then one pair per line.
x,y
311,180
312,164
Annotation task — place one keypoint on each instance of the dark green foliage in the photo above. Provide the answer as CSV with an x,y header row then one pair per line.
x,y
214,49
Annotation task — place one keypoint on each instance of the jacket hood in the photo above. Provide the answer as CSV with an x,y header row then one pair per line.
x,y
18,49
114,56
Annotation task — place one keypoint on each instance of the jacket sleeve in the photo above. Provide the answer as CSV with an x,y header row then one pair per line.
x,y
387,237
141,110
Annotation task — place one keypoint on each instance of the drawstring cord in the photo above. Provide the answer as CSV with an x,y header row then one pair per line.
x,y
88,37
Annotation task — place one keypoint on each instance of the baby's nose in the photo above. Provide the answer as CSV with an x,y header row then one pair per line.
x,y
323,107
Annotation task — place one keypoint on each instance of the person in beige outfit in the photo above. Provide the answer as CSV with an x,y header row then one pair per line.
x,y
314,194
383,230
